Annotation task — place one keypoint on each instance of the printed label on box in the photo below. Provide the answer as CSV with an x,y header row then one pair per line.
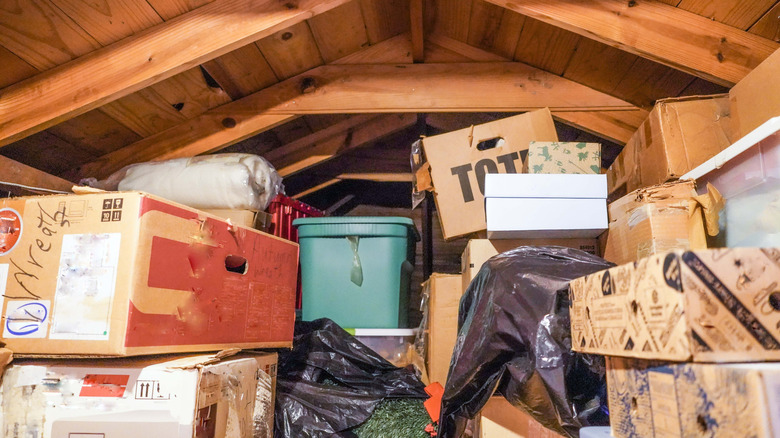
x,y
663,402
85,286
27,318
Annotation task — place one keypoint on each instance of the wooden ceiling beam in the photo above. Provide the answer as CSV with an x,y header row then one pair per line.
x,y
21,179
143,59
328,143
659,32
354,89
417,30
617,126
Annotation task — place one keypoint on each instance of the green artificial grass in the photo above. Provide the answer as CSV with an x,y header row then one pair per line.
x,y
396,418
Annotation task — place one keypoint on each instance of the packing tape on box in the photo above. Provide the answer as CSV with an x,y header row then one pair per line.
x,y
708,206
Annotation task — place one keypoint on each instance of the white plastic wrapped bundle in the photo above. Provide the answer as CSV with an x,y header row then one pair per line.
x,y
233,180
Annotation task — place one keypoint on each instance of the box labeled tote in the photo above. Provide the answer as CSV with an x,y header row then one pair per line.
x,y
539,206
126,273
459,161
710,305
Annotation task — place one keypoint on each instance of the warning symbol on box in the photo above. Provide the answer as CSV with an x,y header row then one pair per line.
x,y
149,390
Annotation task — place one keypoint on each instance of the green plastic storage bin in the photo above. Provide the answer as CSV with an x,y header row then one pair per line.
x,y
357,270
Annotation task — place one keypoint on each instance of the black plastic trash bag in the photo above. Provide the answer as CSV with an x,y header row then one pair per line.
x,y
330,383
514,339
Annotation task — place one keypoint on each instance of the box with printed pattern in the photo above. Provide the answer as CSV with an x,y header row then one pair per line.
x,y
710,305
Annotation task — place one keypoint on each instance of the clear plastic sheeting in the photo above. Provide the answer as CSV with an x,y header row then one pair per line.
x,y
232,181
514,339
330,383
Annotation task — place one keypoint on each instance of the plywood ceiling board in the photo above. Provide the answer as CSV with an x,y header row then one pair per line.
x,y
143,59
13,68
145,112
494,28
292,130
396,50
444,47
318,122
168,9
291,51
109,21
545,46
96,132
768,26
451,18
241,72
741,14
340,31
41,34
599,66
48,153
385,18
189,93
648,81
699,87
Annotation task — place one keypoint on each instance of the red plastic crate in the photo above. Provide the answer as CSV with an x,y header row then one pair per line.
x,y
284,210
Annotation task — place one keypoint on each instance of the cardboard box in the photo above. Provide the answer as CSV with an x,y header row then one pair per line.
x,y
652,220
678,135
444,292
259,220
564,157
459,161
534,206
478,251
649,399
126,273
756,98
164,397
499,419
713,305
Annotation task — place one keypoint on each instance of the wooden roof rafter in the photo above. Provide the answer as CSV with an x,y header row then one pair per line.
x,y
659,32
143,59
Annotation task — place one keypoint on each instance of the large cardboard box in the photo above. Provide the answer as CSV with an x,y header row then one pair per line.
x,y
499,419
126,273
659,400
258,220
564,157
713,305
756,98
678,135
652,220
459,161
478,251
444,292
162,397
541,206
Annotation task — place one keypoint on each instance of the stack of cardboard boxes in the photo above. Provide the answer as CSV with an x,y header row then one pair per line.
x,y
670,298
691,335
89,280
483,170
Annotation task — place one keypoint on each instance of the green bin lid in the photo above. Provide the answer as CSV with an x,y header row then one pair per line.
x,y
355,226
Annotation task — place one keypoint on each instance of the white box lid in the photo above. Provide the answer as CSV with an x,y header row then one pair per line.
x,y
539,185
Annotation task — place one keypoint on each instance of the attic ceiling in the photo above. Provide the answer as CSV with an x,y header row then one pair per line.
x,y
334,91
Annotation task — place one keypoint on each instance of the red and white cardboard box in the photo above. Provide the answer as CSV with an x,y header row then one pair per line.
x,y
127,273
